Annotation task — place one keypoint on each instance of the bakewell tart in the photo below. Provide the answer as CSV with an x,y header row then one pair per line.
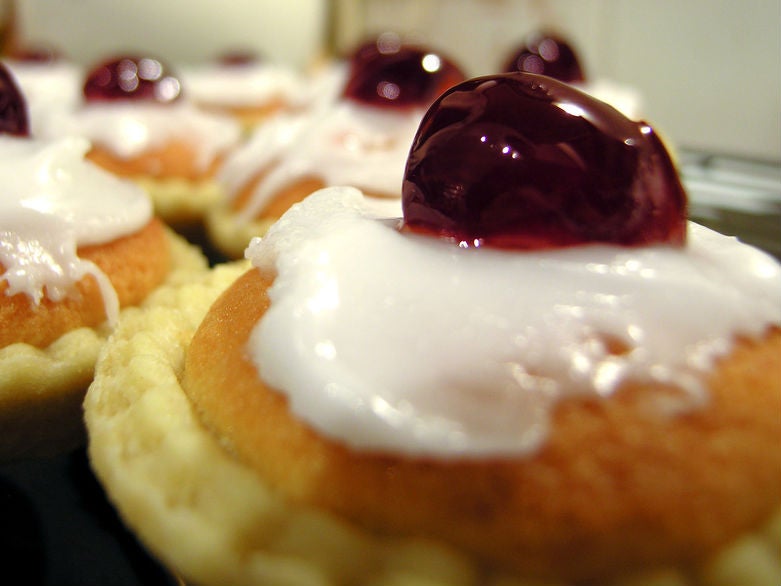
x,y
361,139
245,86
77,245
142,126
530,370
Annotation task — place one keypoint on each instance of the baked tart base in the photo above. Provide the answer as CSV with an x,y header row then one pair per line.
x,y
214,520
42,388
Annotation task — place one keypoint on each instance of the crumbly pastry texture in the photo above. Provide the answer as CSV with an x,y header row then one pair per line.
x,y
180,191
42,389
181,202
229,235
213,520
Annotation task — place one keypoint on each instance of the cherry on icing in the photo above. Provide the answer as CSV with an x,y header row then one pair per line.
x,y
131,78
519,160
546,54
14,119
389,73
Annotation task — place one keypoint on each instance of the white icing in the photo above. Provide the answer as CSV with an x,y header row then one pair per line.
x,y
344,143
399,342
129,128
54,201
242,85
326,83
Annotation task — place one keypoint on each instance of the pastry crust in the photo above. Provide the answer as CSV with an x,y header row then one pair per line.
x,y
249,116
615,487
208,517
181,191
43,380
182,203
230,234
214,520
175,159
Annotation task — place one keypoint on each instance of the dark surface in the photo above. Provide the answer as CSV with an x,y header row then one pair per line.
x,y
734,196
57,528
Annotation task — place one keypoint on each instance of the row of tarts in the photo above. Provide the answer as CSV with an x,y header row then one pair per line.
x,y
467,339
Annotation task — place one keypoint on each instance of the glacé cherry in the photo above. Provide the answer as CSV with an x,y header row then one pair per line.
x,y
239,58
519,160
131,78
36,54
546,54
388,73
14,119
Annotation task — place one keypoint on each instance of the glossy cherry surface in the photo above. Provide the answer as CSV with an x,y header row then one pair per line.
x,y
524,161
547,54
397,75
14,118
131,78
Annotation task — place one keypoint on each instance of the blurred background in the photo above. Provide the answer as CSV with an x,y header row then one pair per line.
x,y
708,71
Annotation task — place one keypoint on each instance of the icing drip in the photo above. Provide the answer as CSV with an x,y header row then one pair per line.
x,y
53,202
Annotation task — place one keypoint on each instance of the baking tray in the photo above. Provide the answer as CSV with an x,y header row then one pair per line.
x,y
735,196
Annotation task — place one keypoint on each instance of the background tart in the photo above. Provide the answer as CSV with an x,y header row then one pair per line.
x,y
48,352
351,135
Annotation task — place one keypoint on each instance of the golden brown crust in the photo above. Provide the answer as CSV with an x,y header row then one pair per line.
x,y
135,265
284,198
280,203
231,235
175,159
614,487
248,115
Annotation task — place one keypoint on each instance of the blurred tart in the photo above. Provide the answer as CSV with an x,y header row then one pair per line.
x,y
244,86
77,245
142,126
361,138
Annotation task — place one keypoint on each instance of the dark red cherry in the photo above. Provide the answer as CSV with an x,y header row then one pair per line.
x,y
393,74
14,119
239,58
546,54
131,78
37,54
520,160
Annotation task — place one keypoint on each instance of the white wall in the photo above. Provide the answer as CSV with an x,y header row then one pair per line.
x,y
289,31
